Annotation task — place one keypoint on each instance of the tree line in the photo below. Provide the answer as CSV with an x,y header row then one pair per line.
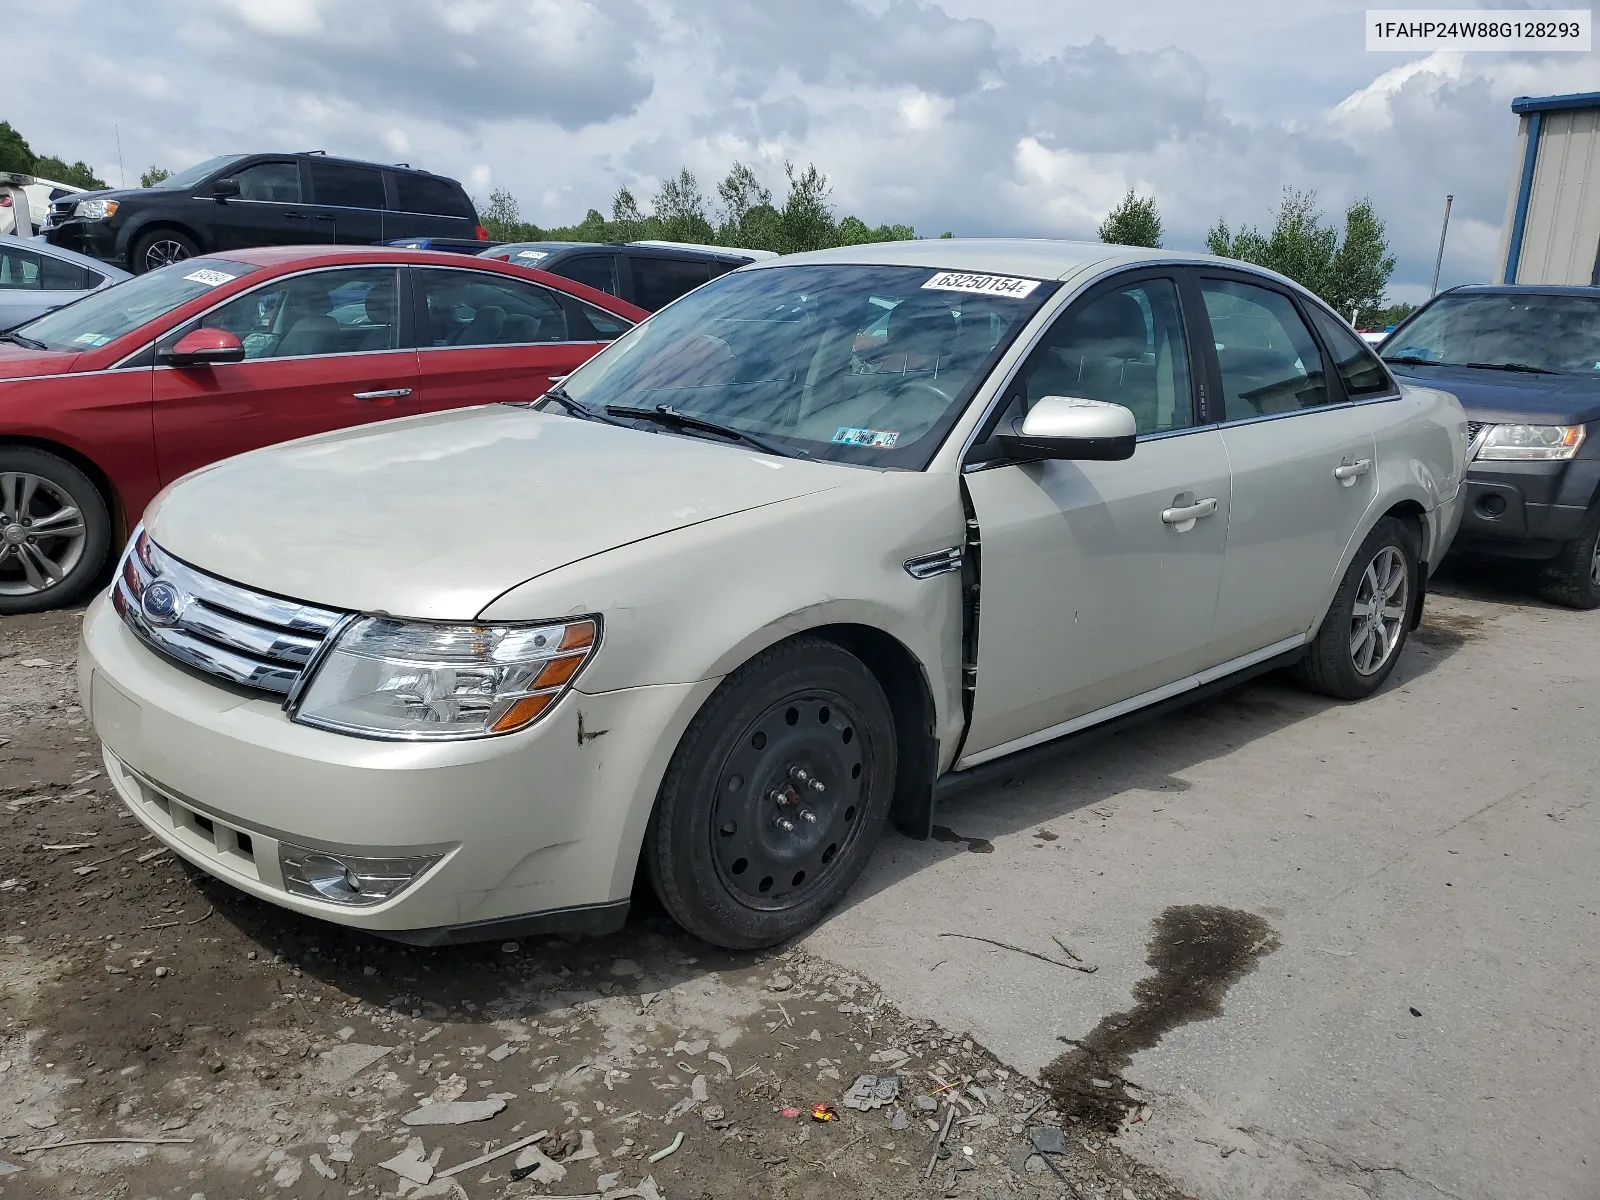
x,y
16,155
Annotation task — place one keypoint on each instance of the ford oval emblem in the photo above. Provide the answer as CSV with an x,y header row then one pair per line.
x,y
162,603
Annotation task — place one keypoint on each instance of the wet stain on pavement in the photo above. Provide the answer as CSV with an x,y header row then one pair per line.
x,y
943,833
1198,951
1448,630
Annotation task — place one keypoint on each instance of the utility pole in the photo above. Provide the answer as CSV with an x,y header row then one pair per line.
x,y
1439,261
122,176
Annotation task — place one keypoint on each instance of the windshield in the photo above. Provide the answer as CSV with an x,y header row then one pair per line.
x,y
1553,333
198,172
859,364
103,317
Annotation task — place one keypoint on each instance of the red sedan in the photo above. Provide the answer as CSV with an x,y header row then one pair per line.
x,y
106,401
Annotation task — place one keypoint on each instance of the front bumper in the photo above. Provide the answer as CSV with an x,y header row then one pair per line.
x,y
1526,509
97,239
537,831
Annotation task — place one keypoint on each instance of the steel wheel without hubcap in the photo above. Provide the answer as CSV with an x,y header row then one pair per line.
x,y
1378,617
42,534
164,252
789,801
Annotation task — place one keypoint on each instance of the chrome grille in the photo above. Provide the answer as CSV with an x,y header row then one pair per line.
x,y
243,636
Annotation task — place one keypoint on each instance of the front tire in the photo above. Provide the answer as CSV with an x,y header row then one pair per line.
x,y
775,797
1367,624
160,249
1572,577
55,531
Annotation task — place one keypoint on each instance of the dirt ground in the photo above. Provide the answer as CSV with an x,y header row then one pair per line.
x,y
221,1047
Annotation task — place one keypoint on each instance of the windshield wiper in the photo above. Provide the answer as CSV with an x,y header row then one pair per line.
x,y
26,342
572,406
1513,366
665,414
1411,360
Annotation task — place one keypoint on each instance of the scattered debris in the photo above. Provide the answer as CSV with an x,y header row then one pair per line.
x,y
502,1052
722,1061
1049,1139
780,983
454,1112
670,1148
340,1064
823,1112
872,1091
322,1168
411,1163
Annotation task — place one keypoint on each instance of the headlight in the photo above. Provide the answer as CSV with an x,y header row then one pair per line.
x,y
96,210
419,681
1531,442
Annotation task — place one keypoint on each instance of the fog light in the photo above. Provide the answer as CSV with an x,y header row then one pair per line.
x,y
346,878
1492,505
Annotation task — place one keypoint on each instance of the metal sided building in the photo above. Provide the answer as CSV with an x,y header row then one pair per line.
x,y
1551,232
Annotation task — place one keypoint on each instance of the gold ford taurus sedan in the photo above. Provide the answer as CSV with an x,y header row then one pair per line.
x,y
818,543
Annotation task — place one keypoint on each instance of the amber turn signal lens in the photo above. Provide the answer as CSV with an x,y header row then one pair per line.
x,y
579,636
558,670
522,711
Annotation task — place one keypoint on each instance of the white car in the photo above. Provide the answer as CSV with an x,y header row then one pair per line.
x,y
827,538
36,278
39,193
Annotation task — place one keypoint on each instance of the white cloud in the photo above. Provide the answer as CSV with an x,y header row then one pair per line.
x,y
296,18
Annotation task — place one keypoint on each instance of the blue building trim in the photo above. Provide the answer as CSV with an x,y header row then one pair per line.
x,y
1532,104
1519,220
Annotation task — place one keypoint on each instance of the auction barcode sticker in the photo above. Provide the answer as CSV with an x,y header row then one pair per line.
x,y
984,285
210,278
1480,29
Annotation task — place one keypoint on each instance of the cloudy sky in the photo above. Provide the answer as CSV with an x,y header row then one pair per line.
x,y
985,117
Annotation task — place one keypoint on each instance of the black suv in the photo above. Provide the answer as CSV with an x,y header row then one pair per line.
x,y
649,274
1524,360
241,200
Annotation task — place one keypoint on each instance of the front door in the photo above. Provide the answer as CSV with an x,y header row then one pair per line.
x,y
486,337
325,350
268,211
1303,461
1098,579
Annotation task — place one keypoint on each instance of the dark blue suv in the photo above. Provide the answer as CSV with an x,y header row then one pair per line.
x,y
1525,363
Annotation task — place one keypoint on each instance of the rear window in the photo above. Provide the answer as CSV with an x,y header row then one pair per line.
x,y
429,194
102,317
344,186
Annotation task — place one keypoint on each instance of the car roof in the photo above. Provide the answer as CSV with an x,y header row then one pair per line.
x,y
1523,289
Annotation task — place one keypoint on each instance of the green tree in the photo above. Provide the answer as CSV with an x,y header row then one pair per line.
x,y
1362,264
806,220
1383,316
680,210
1133,222
78,174
502,218
15,153
154,176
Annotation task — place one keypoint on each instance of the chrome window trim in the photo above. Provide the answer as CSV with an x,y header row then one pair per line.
x,y
507,346
1306,412
256,362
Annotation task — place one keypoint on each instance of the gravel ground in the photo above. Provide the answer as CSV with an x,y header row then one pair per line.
x,y
229,1048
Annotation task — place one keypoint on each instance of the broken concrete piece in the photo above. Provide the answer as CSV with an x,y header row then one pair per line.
x,y
678,1109
340,1064
411,1163
872,1091
780,983
322,1168
12,1169
608,1181
698,1046
1050,1139
455,1112
289,1173
700,1089
899,1120
721,1060
502,1052
533,1163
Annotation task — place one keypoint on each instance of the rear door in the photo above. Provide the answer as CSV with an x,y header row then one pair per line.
x,y
347,202
598,270
426,206
657,279
269,209
1099,579
1302,458
326,350
484,337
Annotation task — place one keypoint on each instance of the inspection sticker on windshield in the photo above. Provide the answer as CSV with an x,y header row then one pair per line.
x,y
984,285
210,278
877,439
91,339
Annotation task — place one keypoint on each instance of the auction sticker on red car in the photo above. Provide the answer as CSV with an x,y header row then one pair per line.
x,y
985,285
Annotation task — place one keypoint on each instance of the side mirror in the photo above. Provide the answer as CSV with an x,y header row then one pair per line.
x,y
1074,428
204,348
224,189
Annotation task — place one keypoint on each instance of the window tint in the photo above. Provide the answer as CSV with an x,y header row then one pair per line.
x,y
657,282
1126,347
476,308
108,315
19,270
1269,362
274,181
426,194
348,187
25,270
325,312
599,271
1359,369
595,324
58,276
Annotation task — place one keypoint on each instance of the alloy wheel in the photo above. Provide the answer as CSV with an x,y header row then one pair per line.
x,y
1594,564
1378,616
790,800
42,534
163,253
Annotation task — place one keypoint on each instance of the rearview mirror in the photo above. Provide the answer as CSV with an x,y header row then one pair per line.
x,y
224,189
203,348
1074,428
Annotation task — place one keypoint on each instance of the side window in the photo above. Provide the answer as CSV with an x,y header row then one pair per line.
x,y
346,187
1126,347
1269,361
1359,369
599,271
590,324
19,270
278,182
325,312
427,194
657,282
477,308
58,276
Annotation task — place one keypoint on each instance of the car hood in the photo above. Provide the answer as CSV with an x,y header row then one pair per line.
x,y
19,362
435,516
1511,396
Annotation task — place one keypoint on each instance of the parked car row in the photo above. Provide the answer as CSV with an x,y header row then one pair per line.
x,y
831,537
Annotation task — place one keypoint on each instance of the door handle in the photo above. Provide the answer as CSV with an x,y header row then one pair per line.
x,y
1182,519
295,216
382,395
1346,473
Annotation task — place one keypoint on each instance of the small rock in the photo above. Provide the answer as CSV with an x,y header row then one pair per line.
x,y
35,662
509,947
899,1120
927,1104
501,1052
289,1174
163,972
699,1089
780,983
454,1112
364,970
1050,1139
322,1168
1100,1083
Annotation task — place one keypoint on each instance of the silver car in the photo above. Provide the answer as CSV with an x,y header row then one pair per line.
x,y
36,277
824,540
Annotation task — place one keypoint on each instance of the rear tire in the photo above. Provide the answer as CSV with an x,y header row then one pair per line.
x,y
1572,577
1367,624
55,531
775,796
159,249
